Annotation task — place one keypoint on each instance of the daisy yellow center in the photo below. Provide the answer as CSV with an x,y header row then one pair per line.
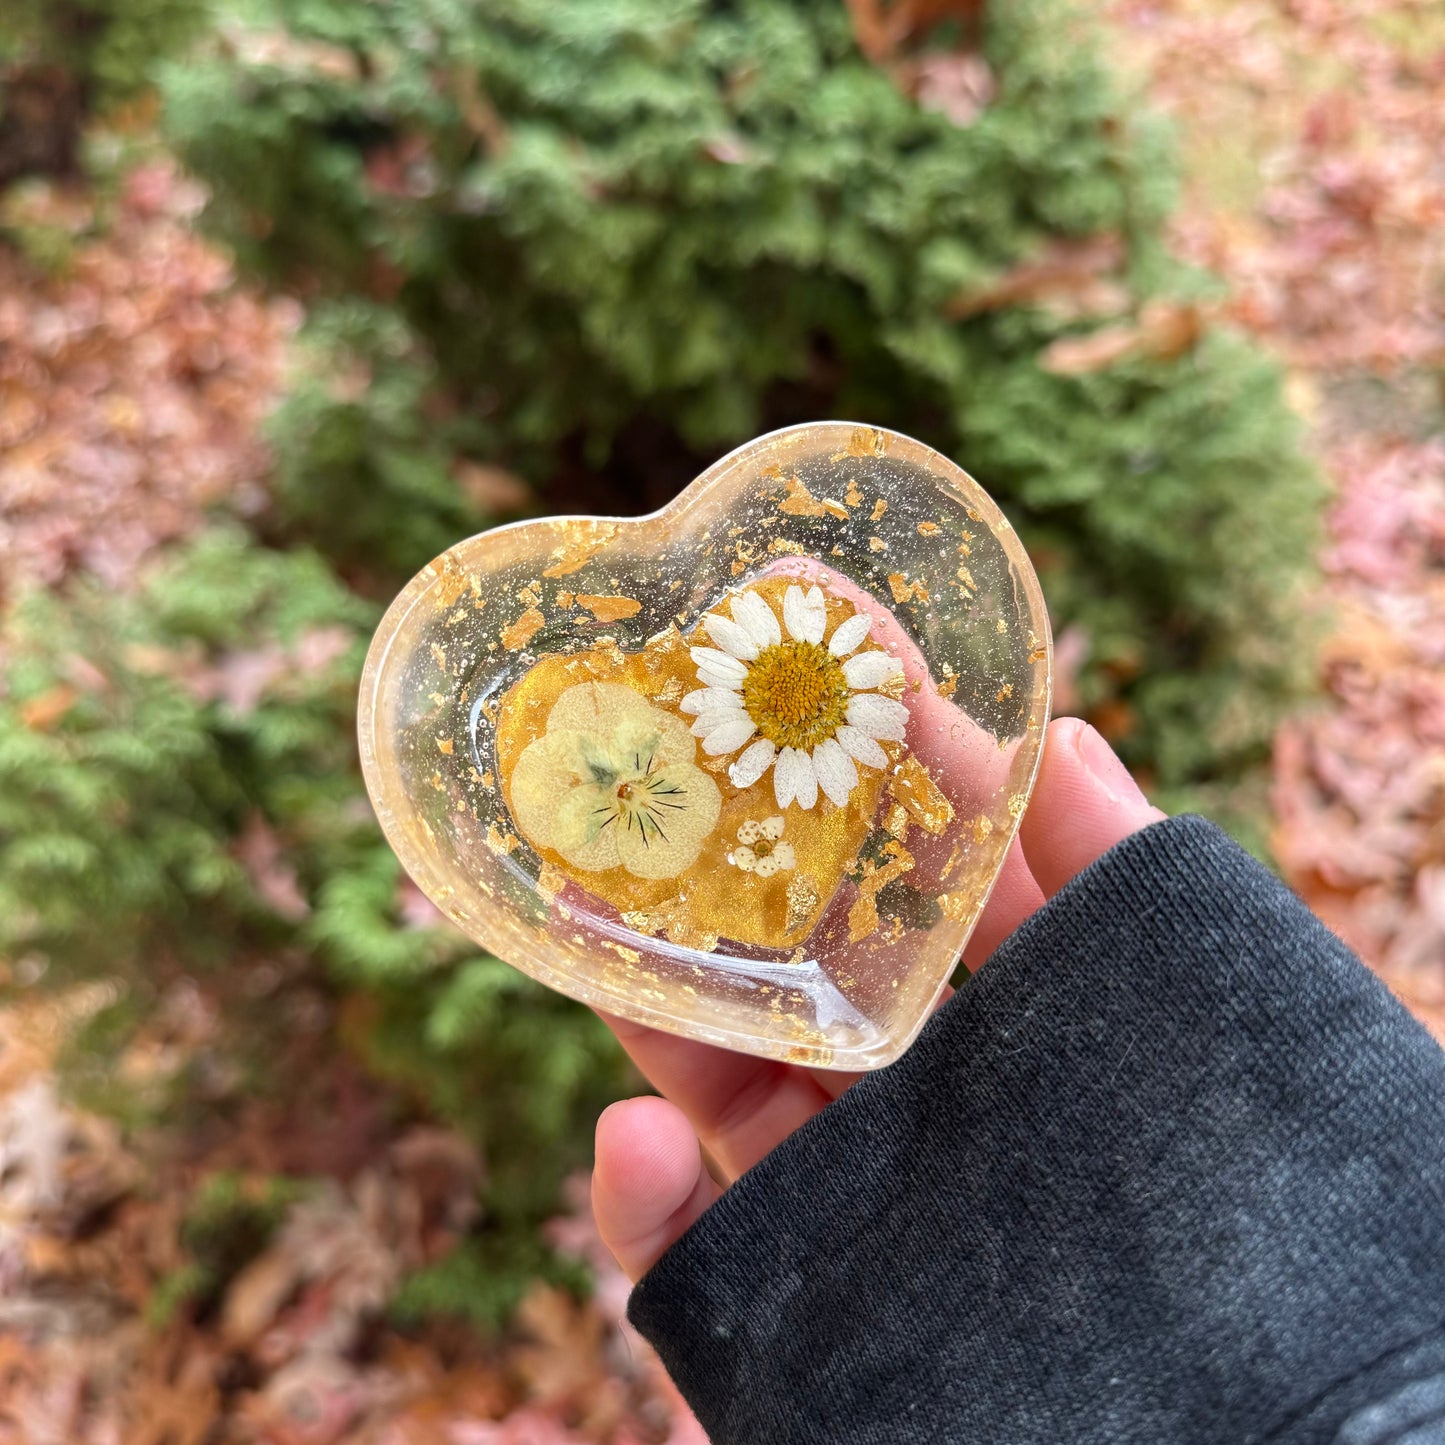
x,y
796,693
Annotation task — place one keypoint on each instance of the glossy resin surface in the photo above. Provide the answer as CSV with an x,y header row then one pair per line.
x,y
745,769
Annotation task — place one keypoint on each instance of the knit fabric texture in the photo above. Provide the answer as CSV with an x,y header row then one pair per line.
x,y
1170,1167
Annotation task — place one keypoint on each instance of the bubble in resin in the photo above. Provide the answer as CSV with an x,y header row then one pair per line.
x,y
745,769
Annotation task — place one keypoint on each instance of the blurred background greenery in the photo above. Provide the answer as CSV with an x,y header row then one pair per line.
x,y
508,257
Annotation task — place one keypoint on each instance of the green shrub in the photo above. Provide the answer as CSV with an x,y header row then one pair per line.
x,y
108,46
179,795
364,449
621,238
61,61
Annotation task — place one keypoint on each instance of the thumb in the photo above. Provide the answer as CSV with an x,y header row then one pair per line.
x,y
1084,802
649,1183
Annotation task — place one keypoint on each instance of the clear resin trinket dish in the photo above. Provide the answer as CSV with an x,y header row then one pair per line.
x,y
745,769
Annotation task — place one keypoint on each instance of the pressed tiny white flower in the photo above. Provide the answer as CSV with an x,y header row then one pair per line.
x,y
792,703
613,783
761,849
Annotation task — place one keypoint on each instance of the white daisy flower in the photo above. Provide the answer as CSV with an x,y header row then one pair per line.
x,y
804,708
761,850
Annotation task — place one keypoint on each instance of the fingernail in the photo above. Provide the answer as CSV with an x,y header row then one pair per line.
x,y
1103,762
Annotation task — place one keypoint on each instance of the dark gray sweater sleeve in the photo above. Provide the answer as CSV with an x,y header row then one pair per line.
x,y
1170,1168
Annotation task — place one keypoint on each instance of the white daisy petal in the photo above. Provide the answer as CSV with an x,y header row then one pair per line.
x,y
766,867
861,748
707,723
732,734
721,664
753,613
879,717
754,762
733,638
816,607
806,615
713,679
869,669
749,831
849,635
710,699
795,613
745,859
771,829
787,774
836,774
806,787
785,855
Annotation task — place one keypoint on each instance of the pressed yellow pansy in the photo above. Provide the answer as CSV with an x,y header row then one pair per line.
x,y
612,783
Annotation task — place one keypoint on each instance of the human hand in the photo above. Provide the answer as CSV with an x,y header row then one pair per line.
x,y
651,1180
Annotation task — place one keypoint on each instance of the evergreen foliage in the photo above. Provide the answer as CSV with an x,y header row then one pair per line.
x,y
619,239
109,46
140,735
62,60
143,740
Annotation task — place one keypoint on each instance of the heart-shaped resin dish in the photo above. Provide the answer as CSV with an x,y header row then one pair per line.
x,y
745,769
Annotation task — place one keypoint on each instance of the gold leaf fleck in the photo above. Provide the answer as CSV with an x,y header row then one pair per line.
x,y
982,827
523,630
800,502
1007,690
862,918
609,609
879,507
905,591
572,556
957,906
863,915
877,544
802,900
865,442
928,529
784,544
672,919
551,880
897,822
451,581
446,745
913,786
500,842
853,497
